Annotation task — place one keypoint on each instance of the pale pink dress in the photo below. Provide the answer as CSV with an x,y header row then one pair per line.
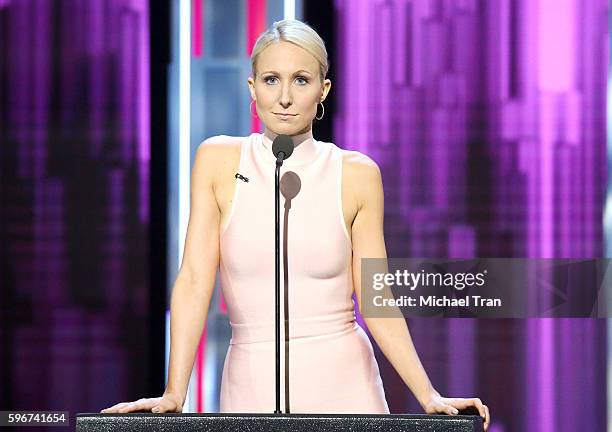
x,y
332,368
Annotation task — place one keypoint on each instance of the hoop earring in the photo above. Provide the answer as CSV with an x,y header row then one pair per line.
x,y
251,108
323,113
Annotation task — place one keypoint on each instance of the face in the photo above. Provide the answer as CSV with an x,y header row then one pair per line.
x,y
287,81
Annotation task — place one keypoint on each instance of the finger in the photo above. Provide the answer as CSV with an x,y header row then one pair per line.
x,y
115,408
127,407
147,405
481,408
164,406
487,416
458,403
139,405
118,406
449,409
463,403
161,407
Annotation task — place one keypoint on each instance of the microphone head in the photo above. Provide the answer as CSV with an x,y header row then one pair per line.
x,y
282,143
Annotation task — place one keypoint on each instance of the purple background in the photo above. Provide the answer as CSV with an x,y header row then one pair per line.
x,y
74,190
487,119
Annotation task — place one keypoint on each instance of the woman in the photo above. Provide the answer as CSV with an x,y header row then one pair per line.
x,y
333,216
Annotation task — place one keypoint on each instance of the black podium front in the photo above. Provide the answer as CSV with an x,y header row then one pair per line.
x,y
278,422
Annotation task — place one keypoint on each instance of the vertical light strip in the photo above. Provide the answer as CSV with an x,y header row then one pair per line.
x,y
199,371
608,204
198,403
256,23
197,28
184,149
608,219
385,63
144,104
212,375
184,121
289,9
546,367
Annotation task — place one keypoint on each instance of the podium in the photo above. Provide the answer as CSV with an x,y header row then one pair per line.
x,y
220,422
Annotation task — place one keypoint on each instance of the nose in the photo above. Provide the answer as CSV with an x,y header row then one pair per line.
x,y
285,99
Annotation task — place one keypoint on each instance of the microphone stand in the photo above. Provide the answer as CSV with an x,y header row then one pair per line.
x,y
279,163
282,148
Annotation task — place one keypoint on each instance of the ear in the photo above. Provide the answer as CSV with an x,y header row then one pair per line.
x,y
251,83
325,89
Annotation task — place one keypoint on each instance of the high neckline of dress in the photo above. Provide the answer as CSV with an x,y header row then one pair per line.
x,y
304,152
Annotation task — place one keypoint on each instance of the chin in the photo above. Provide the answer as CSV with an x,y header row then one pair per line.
x,y
288,128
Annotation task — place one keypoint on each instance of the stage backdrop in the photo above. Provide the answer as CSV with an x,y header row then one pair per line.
x,y
487,119
74,203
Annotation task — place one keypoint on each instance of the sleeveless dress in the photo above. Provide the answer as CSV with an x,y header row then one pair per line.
x,y
327,360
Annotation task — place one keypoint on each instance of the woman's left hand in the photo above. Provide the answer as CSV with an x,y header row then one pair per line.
x,y
437,404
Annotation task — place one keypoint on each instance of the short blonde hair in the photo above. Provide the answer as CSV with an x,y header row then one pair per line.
x,y
295,32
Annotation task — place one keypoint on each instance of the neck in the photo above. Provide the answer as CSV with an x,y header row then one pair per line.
x,y
304,152
297,138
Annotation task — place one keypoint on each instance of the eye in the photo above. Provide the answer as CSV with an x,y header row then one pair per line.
x,y
303,79
268,78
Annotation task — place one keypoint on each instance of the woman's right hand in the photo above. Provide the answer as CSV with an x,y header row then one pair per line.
x,y
167,403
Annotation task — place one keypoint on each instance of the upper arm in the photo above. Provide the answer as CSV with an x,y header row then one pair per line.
x,y
367,230
201,253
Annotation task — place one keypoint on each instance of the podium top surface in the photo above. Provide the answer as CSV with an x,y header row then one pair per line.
x,y
255,422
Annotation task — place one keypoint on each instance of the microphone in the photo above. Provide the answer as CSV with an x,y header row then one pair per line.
x,y
282,147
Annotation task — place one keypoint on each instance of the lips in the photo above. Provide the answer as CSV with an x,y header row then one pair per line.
x,y
285,115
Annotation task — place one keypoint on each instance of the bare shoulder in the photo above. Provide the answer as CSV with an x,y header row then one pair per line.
x,y
220,145
219,153
359,168
361,178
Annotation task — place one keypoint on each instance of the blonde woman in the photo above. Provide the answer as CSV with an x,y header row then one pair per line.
x,y
333,216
